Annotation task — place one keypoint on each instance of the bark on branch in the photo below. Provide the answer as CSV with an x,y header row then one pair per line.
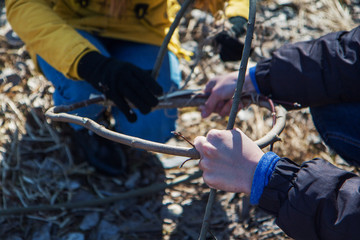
x,y
234,107
59,114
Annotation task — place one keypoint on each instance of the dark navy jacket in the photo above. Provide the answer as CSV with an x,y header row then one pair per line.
x,y
314,73
315,200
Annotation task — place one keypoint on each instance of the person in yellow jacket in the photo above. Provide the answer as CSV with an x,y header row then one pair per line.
x,y
109,47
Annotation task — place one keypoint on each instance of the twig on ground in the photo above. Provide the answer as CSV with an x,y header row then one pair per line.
x,y
101,201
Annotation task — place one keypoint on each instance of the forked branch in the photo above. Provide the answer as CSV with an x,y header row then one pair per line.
x,y
59,114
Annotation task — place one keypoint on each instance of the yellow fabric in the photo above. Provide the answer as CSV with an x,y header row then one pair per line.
x,y
233,7
48,26
237,8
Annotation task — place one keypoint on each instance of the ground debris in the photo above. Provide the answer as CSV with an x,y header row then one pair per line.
x,y
39,165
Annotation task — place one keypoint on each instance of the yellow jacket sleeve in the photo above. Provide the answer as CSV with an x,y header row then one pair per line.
x,y
47,35
233,8
237,8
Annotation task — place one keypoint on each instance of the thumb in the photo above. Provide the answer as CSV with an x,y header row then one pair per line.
x,y
210,105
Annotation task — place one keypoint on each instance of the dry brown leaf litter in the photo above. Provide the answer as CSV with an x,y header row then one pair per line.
x,y
40,166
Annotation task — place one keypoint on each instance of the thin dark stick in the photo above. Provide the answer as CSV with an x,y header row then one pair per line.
x,y
167,38
182,136
234,107
101,201
186,162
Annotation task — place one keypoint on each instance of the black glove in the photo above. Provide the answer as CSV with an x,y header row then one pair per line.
x,y
230,47
238,25
119,81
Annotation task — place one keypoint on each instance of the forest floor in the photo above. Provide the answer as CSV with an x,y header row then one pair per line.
x,y
40,167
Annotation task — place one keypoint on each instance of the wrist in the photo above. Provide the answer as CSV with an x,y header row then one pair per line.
x,y
263,172
239,25
252,76
251,170
88,63
73,71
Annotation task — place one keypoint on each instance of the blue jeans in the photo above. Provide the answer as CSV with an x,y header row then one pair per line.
x,y
155,126
339,127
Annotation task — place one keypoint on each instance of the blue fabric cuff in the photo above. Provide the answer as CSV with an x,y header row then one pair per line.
x,y
262,175
253,78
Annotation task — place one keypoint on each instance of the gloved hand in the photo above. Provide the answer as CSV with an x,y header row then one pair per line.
x,y
238,25
230,47
119,81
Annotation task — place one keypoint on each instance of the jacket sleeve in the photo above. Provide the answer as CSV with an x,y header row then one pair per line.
x,y
234,8
314,201
237,8
46,34
314,73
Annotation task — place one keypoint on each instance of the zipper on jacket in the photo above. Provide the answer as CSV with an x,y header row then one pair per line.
x,y
83,3
141,10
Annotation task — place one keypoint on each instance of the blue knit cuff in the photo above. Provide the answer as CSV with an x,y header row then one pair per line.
x,y
253,78
262,175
